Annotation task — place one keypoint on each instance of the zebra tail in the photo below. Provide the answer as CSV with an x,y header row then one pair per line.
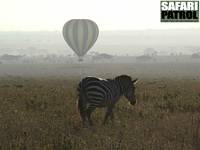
x,y
82,101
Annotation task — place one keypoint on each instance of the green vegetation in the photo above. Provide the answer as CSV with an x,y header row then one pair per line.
x,y
40,113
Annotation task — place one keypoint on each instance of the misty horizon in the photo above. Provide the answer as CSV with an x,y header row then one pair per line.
x,y
132,42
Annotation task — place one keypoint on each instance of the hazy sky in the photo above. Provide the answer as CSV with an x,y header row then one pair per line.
x,y
108,14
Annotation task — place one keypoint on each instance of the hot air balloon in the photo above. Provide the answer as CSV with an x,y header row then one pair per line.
x,y
80,35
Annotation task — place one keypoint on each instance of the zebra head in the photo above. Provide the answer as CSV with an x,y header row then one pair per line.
x,y
127,87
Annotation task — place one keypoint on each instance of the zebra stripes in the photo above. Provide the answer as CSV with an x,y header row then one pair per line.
x,y
94,92
80,35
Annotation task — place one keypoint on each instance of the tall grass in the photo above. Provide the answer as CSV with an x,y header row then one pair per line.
x,y
40,113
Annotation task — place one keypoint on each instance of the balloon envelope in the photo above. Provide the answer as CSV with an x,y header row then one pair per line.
x,y
80,35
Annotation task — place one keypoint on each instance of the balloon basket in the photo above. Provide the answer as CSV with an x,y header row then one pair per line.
x,y
80,59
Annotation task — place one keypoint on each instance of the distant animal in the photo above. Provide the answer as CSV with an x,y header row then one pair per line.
x,y
96,92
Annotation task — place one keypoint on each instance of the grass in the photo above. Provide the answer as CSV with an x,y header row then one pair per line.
x,y
40,113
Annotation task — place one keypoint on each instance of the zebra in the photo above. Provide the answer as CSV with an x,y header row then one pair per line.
x,y
96,92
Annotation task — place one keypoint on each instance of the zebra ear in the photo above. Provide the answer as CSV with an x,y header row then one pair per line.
x,y
135,81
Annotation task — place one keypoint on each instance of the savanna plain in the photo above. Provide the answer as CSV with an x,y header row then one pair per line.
x,y
38,108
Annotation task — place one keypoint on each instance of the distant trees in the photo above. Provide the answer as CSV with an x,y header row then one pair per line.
x,y
102,56
195,55
7,57
150,52
144,58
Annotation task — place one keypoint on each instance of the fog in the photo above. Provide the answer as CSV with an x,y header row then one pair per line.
x,y
144,53
133,42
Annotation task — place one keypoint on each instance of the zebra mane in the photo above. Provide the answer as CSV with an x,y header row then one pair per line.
x,y
102,79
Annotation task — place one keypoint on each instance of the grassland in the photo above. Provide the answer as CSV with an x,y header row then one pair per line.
x,y
40,113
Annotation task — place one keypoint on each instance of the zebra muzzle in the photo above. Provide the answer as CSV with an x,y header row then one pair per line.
x,y
133,102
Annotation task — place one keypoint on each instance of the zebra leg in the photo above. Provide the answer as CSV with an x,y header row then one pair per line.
x,y
83,111
89,112
83,115
108,113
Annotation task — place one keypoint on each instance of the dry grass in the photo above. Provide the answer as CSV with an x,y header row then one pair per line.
x,y
40,113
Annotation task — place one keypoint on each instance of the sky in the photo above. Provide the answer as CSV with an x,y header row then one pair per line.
x,y
50,15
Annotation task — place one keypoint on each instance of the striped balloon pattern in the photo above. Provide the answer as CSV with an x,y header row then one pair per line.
x,y
80,35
